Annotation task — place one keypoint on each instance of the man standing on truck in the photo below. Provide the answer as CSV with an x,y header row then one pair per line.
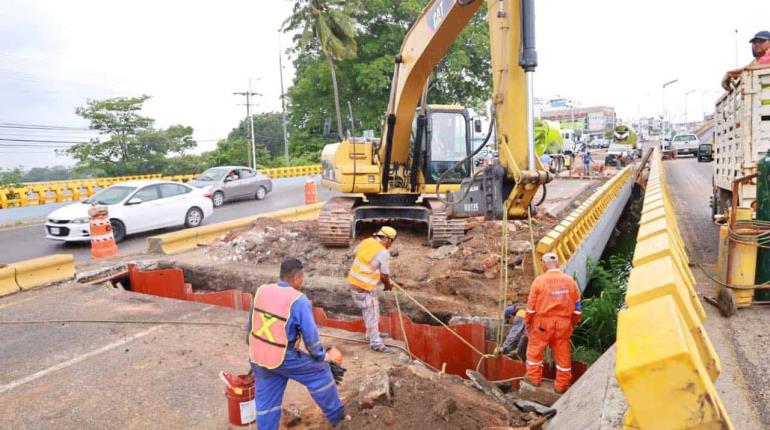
x,y
760,49
553,311
370,269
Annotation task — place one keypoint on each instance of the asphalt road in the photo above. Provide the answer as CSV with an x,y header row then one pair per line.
x,y
21,243
741,341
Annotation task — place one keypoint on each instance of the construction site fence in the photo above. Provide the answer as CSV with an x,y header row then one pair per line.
x,y
565,239
41,193
665,363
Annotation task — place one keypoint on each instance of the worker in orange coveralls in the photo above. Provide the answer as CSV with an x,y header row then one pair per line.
x,y
553,311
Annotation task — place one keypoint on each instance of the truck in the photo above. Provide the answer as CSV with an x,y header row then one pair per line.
x,y
741,139
685,143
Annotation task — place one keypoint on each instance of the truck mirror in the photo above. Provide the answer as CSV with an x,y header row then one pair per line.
x,y
477,125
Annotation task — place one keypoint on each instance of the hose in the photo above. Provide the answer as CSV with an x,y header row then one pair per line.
x,y
542,199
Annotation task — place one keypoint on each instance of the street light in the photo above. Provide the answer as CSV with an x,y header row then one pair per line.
x,y
665,119
685,104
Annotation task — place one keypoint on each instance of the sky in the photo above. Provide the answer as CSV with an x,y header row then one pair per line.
x,y
191,56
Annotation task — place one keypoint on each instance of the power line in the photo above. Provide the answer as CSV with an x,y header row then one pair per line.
x,y
40,141
42,127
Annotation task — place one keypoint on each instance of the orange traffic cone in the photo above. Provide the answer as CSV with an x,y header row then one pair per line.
x,y
311,191
102,241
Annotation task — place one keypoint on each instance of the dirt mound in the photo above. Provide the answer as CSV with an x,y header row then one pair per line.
x,y
414,401
468,272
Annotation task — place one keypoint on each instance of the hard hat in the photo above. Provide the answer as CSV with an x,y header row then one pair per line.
x,y
386,231
509,311
550,257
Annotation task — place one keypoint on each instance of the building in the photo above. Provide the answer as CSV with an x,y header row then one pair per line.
x,y
593,120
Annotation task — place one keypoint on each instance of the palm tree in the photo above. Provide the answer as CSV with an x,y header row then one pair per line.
x,y
327,23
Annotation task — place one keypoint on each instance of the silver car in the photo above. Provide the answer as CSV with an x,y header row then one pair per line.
x,y
227,183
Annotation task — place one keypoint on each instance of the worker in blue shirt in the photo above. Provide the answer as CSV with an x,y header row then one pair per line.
x,y
280,317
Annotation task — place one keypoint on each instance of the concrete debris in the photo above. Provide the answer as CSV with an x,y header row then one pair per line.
x,y
488,388
443,252
544,394
403,358
520,246
518,224
290,416
375,389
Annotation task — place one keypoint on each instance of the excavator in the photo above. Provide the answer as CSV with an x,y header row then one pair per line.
x,y
421,168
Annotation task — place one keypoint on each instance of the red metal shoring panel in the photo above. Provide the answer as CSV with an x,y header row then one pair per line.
x,y
432,344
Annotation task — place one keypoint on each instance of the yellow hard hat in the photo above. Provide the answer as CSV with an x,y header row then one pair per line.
x,y
388,232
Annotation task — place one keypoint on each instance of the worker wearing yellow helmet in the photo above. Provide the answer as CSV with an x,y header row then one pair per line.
x,y
370,270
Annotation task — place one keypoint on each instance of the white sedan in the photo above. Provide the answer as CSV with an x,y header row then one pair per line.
x,y
134,207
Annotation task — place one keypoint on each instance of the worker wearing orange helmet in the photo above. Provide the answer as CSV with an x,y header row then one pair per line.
x,y
553,311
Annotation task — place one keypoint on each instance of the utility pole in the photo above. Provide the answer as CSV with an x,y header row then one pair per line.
x,y
664,118
283,101
252,150
736,48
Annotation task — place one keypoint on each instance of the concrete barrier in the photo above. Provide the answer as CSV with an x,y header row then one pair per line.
x,y
185,240
8,283
44,270
584,233
665,362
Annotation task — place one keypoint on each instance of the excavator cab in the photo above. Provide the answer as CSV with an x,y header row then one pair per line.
x,y
449,142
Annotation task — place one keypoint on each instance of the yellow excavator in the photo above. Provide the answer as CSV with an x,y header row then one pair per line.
x,y
421,168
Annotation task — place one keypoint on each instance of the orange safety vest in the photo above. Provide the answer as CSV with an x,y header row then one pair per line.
x,y
362,274
268,339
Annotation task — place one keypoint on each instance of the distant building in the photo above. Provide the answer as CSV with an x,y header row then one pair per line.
x,y
592,121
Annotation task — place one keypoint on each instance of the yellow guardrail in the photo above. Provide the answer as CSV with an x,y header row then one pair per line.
x,y
36,272
41,193
665,362
566,237
185,240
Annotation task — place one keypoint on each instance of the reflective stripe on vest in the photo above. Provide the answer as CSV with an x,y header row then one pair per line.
x,y
362,274
268,339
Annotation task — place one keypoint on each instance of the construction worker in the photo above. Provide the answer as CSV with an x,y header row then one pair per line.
x,y
281,315
370,269
553,311
515,343
760,50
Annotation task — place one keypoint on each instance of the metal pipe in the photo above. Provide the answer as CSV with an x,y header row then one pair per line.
x,y
530,121
528,62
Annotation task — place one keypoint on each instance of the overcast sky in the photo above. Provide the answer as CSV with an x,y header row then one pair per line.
x,y
191,56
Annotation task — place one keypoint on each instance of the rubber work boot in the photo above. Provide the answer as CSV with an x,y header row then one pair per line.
x,y
382,348
528,381
558,390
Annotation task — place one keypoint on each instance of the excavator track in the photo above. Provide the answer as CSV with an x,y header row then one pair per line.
x,y
444,230
335,222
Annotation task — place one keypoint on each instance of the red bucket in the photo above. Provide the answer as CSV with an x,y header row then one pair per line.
x,y
241,410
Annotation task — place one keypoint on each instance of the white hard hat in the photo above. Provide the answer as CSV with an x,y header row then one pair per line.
x,y
550,257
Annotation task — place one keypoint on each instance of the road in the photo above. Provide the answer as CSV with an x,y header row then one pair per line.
x,y
741,341
21,243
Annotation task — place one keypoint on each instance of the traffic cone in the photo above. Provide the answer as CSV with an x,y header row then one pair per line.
x,y
102,241
311,191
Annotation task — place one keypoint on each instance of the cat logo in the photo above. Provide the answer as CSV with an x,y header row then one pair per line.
x,y
437,14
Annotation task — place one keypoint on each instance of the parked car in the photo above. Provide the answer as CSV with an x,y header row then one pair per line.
x,y
665,149
134,207
705,153
618,155
685,144
228,183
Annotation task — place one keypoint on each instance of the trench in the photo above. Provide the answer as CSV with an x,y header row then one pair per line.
x,y
430,343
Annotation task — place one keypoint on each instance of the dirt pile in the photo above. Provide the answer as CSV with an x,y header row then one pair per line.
x,y
406,398
468,272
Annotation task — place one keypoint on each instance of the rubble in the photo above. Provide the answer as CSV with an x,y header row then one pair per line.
x,y
375,389
543,394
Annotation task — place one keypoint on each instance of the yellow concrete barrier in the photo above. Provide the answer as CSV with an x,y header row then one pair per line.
x,y
185,240
566,237
45,270
665,362
8,283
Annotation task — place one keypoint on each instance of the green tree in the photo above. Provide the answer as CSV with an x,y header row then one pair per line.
x,y
328,26
268,132
128,144
463,77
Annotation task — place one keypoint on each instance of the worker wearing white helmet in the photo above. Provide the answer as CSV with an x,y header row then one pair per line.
x,y
553,311
370,270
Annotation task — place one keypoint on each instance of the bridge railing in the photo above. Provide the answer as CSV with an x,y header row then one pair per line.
x,y
665,362
41,193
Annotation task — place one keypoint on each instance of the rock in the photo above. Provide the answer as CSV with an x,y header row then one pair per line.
x,y
544,394
445,408
394,252
518,224
488,388
443,252
520,246
403,358
375,389
290,416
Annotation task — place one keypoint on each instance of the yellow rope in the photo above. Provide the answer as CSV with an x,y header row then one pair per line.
x,y
401,320
430,314
532,242
503,279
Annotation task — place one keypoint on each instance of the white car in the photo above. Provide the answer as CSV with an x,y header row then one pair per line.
x,y
134,207
685,144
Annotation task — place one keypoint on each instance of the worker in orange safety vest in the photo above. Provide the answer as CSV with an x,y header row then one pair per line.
x,y
370,270
553,311
280,317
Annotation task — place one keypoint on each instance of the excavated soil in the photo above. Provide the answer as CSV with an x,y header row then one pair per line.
x,y
461,278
